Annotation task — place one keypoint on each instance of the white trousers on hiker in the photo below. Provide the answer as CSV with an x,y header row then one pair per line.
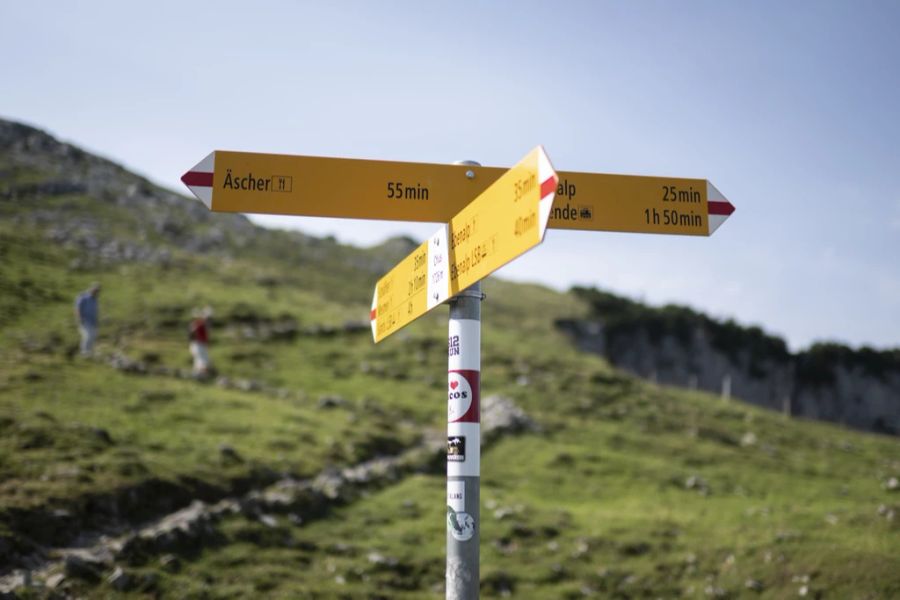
x,y
201,357
88,337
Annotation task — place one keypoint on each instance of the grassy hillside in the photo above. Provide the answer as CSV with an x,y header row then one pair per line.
x,y
621,490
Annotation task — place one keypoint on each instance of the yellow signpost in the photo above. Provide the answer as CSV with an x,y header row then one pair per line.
x,y
490,217
507,219
401,296
404,191
629,203
333,187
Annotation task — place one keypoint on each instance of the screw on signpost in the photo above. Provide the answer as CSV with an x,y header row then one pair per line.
x,y
464,440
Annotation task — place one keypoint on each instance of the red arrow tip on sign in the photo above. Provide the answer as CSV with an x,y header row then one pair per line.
x,y
197,179
200,179
549,179
718,207
721,208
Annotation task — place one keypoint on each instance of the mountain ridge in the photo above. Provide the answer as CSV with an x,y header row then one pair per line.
x,y
26,141
607,486
859,387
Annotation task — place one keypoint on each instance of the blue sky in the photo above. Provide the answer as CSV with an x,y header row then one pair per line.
x,y
789,108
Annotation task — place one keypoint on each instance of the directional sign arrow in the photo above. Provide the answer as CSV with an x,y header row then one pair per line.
x,y
507,219
403,191
332,187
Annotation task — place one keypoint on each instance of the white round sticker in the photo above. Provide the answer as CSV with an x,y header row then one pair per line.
x,y
461,525
459,396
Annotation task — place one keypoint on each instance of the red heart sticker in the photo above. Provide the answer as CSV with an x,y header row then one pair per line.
x,y
454,385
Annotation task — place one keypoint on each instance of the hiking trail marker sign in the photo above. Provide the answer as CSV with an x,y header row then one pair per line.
x,y
490,216
405,191
504,221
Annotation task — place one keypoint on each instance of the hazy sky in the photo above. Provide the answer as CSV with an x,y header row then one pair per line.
x,y
792,109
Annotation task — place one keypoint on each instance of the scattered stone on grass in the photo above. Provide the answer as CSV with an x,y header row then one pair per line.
x,y
499,582
156,396
179,533
888,512
54,581
754,585
170,563
268,521
500,414
787,536
84,566
637,548
555,574
337,548
120,580
16,580
332,401
102,435
582,548
229,455
714,591
695,482
148,582
380,560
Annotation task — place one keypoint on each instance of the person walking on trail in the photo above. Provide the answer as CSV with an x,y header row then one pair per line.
x,y
87,315
199,337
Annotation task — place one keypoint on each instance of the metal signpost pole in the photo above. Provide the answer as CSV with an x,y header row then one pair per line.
x,y
464,444
491,221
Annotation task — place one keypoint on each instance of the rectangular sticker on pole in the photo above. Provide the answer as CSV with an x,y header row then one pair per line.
x,y
503,222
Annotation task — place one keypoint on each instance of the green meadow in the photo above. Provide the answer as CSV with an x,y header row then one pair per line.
x,y
622,489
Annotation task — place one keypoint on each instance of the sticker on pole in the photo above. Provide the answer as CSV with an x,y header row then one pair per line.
x,y
460,524
462,397
459,396
456,448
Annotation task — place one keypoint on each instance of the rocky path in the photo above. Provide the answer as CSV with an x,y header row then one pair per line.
x,y
96,556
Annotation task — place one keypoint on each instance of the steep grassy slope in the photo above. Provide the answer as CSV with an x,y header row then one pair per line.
x,y
624,489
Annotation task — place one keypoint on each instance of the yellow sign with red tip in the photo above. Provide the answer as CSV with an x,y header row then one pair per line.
x,y
503,222
404,191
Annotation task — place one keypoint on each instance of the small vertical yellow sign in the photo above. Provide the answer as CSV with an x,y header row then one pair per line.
x,y
504,221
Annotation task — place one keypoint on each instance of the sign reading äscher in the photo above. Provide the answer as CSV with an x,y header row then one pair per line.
x,y
404,191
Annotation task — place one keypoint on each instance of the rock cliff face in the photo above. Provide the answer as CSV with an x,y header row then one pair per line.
x,y
109,215
93,205
858,388
677,346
